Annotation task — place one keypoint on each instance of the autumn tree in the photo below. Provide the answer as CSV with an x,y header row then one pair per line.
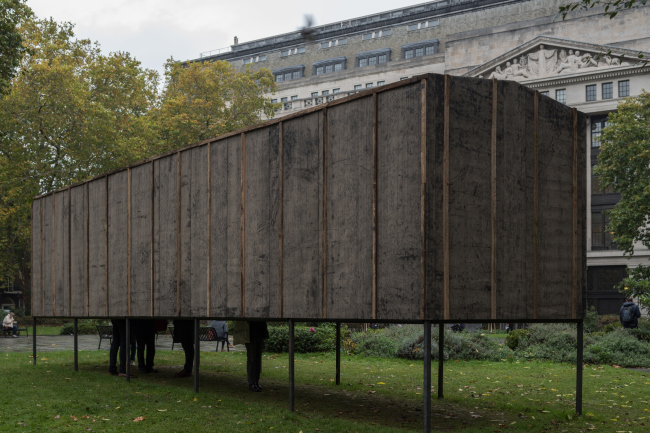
x,y
13,13
624,164
202,100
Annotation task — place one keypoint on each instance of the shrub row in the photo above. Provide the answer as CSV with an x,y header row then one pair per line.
x,y
306,339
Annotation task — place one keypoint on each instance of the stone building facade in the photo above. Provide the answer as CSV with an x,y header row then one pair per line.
x,y
587,61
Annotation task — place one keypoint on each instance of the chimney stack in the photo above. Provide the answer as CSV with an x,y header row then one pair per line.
x,y
236,40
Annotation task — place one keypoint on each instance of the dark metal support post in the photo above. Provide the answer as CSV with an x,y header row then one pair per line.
x,y
128,350
291,377
76,346
338,353
579,369
34,342
441,357
197,352
427,377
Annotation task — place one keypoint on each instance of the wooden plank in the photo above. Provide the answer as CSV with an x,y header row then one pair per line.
x,y
514,192
78,251
493,204
140,242
469,198
582,217
399,200
555,210
37,274
197,230
242,228
61,254
226,228
208,233
574,250
445,196
536,207
118,268
178,232
350,203
165,235
301,212
261,222
128,241
97,225
323,216
374,206
423,199
280,219
435,127
48,269
186,234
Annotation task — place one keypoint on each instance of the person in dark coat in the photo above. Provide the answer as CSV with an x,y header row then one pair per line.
x,y
184,334
221,332
118,344
629,314
145,335
252,334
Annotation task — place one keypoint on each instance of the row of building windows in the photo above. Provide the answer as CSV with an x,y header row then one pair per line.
x,y
367,36
292,51
422,25
255,59
608,90
419,52
334,43
368,85
334,91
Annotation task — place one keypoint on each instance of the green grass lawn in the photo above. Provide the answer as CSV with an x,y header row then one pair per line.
x,y
375,395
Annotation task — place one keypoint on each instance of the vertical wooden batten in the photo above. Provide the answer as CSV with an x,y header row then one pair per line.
x,y
445,199
423,198
87,252
53,255
128,241
281,220
209,273
107,242
493,198
536,206
178,234
243,225
153,207
41,288
69,252
574,295
324,216
374,206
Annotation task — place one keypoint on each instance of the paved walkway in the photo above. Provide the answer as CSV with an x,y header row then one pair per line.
x,y
46,343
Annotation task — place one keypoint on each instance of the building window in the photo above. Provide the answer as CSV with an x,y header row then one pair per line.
x,y
560,96
419,49
386,32
357,87
623,88
293,98
403,78
368,85
324,44
326,92
247,61
545,93
603,278
283,99
412,27
369,58
335,91
380,83
601,238
329,65
608,90
334,43
367,36
591,92
284,53
595,185
289,73
274,101
314,94
263,58
598,123
342,41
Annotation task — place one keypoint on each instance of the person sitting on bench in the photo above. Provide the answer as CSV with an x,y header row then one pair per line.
x,y
9,322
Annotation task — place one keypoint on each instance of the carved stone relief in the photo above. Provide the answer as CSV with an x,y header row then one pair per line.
x,y
545,62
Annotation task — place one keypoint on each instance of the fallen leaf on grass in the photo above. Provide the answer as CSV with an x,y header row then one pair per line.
x,y
74,418
140,418
162,410
57,417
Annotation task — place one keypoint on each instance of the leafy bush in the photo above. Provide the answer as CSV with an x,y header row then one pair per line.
x,y
321,339
591,320
84,327
512,340
374,343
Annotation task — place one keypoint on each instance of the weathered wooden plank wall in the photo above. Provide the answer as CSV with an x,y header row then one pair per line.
x,y
437,198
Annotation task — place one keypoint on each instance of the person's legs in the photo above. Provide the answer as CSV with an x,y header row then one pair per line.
x,y
250,364
116,344
259,343
150,343
16,330
140,339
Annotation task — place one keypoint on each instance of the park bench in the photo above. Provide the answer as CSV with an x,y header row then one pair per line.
x,y
7,332
205,334
105,333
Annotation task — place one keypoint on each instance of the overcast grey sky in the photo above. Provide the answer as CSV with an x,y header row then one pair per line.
x,y
154,30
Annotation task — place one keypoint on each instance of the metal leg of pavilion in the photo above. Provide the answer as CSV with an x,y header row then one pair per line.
x,y
291,365
579,362
441,357
128,350
197,354
76,345
338,353
34,341
426,427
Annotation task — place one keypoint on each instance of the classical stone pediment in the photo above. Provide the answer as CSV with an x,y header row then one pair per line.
x,y
546,57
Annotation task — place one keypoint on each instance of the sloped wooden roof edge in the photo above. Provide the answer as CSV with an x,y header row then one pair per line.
x,y
362,94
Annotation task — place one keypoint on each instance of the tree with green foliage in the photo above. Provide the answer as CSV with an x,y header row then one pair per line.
x,y
612,7
202,100
13,13
624,164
